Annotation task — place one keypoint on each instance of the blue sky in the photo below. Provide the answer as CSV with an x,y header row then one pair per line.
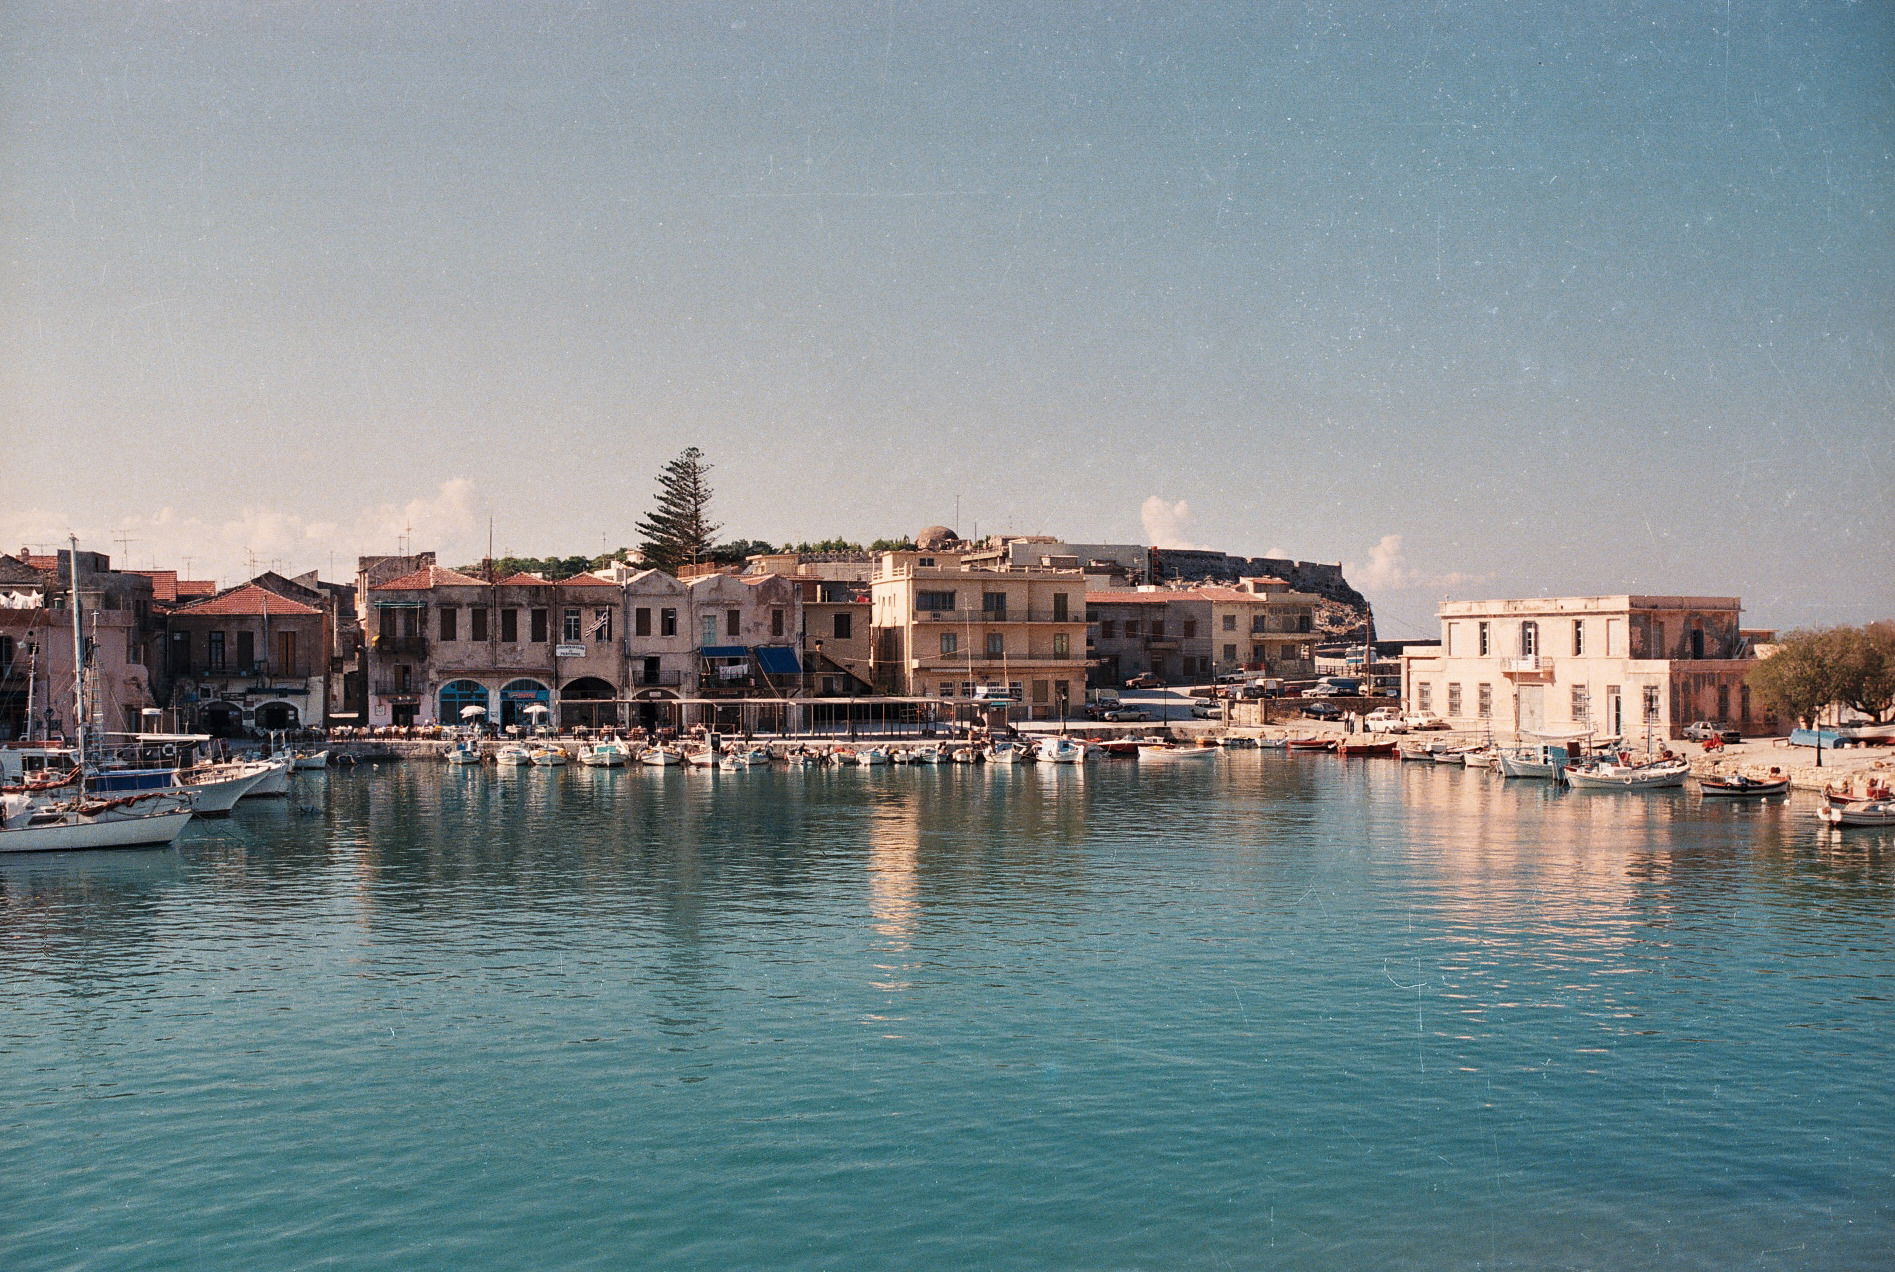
x,y
1480,299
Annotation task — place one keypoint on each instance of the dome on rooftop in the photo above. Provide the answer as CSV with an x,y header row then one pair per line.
x,y
934,538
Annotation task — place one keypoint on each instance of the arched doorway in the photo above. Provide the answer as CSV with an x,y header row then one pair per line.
x,y
588,702
457,696
657,709
221,719
517,700
273,717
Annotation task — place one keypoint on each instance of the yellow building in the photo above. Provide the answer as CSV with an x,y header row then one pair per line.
x,y
945,630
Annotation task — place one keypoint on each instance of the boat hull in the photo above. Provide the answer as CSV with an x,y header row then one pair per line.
x,y
154,830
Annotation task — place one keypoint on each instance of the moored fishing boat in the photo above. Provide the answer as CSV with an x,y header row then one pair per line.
x,y
1880,812
1738,785
304,760
1165,752
1365,747
65,818
512,755
606,754
466,751
661,756
1630,777
275,783
1062,750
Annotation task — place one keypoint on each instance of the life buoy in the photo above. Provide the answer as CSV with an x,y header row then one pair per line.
x,y
169,751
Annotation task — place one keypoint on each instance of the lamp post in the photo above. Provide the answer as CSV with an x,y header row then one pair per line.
x,y
817,646
1062,710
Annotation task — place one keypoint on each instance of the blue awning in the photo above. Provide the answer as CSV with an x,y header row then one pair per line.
x,y
778,660
725,651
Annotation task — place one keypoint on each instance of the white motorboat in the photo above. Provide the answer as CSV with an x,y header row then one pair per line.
x,y
1630,777
661,756
548,757
872,755
303,760
927,753
704,757
512,755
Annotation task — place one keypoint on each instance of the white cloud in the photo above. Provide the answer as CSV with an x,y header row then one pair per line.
x,y
1165,523
1387,570
258,538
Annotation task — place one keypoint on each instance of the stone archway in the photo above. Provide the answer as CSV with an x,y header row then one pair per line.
x,y
275,717
517,700
588,702
221,719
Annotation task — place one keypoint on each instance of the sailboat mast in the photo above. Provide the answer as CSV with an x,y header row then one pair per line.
x,y
78,660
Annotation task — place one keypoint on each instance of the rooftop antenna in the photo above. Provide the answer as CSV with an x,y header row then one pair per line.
x,y
407,533
125,542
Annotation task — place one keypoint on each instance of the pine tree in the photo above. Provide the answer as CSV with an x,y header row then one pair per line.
x,y
677,532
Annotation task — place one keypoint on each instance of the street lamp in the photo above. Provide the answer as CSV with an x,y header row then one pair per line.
x,y
817,646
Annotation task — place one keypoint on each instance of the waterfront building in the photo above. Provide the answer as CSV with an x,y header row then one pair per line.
x,y
1185,635
660,647
836,615
36,667
1105,564
945,630
748,629
1618,665
250,657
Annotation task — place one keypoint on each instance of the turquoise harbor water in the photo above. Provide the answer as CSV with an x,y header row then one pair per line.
x,y
1287,1012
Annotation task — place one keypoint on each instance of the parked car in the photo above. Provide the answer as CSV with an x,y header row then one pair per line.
x,y
1324,691
1323,711
1120,715
1207,711
1421,720
1144,680
1384,720
1705,730
1097,710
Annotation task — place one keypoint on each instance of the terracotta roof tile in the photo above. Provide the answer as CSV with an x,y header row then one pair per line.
x,y
1122,596
522,579
164,583
248,599
586,580
429,576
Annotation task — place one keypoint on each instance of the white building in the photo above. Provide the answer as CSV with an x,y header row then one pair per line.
x,y
1622,665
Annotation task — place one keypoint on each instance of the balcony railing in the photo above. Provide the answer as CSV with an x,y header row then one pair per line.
x,y
395,689
246,671
657,679
417,645
1009,615
1528,666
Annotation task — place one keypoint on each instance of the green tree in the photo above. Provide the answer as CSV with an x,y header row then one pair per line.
x,y
679,531
828,545
1864,662
737,551
892,545
1847,666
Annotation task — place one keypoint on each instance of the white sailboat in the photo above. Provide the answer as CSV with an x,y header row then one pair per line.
x,y
80,823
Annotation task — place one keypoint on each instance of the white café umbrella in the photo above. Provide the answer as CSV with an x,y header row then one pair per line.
x,y
470,711
536,708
